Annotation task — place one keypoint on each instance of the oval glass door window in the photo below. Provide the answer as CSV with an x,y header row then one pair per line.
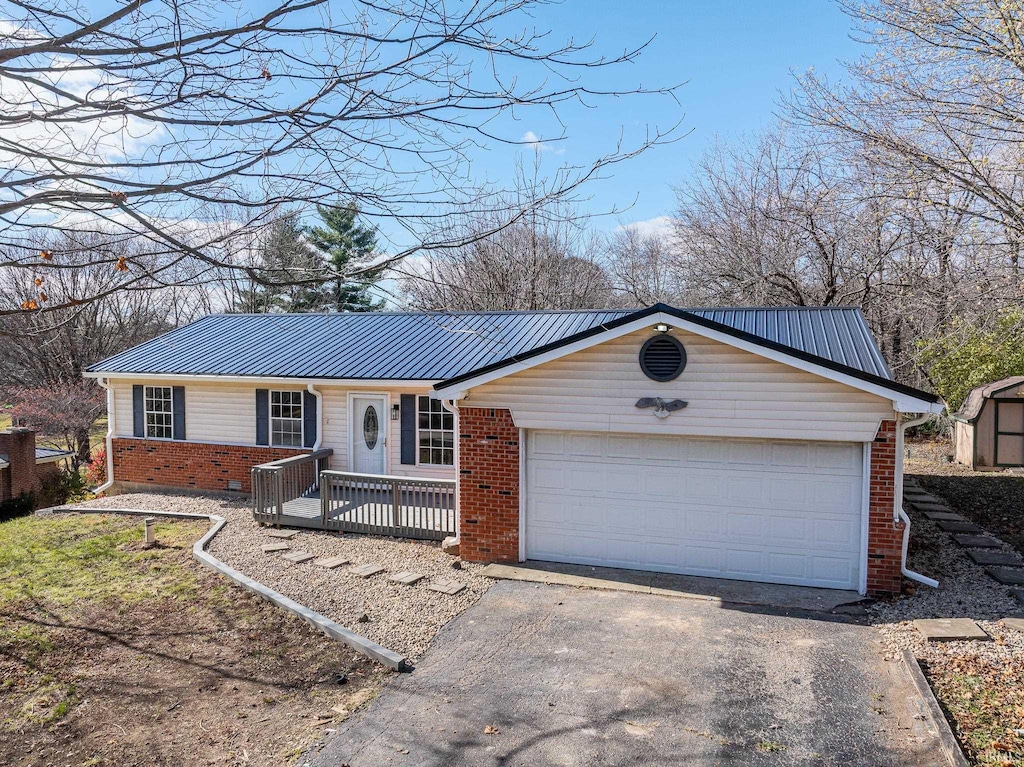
x,y
371,427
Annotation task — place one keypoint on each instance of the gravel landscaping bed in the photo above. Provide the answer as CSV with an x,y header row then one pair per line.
x,y
976,682
402,618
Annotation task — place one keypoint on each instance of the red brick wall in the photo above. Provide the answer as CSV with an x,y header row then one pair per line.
x,y
19,445
885,535
488,485
193,465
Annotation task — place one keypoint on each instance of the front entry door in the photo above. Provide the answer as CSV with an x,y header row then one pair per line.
x,y
368,434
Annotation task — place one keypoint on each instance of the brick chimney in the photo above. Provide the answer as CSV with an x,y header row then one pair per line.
x,y
19,445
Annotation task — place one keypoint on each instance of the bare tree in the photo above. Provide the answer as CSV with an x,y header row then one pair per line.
x,y
941,98
545,260
187,124
644,268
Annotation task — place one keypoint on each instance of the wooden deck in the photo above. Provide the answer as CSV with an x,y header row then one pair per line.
x,y
367,511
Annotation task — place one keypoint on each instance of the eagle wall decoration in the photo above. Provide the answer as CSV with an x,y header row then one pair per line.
x,y
663,408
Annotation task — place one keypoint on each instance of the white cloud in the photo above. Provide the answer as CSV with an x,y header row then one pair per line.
x,y
660,226
538,144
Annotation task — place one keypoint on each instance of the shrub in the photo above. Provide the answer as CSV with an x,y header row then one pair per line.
x,y
970,356
61,486
21,506
96,469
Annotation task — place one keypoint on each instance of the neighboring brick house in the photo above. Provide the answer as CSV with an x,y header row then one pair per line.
x,y
753,443
23,466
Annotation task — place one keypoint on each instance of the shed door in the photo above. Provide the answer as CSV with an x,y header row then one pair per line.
x,y
1009,433
761,510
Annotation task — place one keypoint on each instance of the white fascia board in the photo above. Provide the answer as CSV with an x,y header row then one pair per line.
x,y
52,458
4,464
902,403
371,383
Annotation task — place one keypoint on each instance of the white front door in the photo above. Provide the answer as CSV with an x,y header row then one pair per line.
x,y
759,510
368,429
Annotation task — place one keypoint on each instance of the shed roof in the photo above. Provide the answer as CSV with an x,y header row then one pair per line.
x,y
434,346
976,397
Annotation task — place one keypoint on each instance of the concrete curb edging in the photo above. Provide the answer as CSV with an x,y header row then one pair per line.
x,y
336,631
947,740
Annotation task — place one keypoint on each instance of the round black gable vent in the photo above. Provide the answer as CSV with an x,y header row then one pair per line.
x,y
662,358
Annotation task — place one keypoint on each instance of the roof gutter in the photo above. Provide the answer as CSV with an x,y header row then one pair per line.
x,y
109,440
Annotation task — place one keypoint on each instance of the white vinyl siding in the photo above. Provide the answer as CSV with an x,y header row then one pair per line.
x,y
730,392
286,418
216,413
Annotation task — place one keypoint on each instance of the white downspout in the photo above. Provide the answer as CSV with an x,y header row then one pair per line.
x,y
898,512
319,417
105,383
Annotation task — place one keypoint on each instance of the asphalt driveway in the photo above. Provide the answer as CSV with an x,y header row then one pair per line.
x,y
551,675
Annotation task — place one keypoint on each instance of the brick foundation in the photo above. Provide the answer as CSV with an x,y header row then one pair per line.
x,y
885,535
488,485
192,465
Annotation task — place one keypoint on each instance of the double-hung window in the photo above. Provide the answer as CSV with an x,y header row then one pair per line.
x,y
159,412
435,433
286,418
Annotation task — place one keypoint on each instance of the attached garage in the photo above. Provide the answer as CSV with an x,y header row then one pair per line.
x,y
761,510
750,444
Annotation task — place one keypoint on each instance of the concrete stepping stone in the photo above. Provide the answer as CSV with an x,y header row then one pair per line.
x,y
1007,575
1018,594
286,535
919,495
1016,623
298,557
447,586
977,541
950,629
984,557
331,562
931,506
365,571
954,526
945,516
406,577
270,548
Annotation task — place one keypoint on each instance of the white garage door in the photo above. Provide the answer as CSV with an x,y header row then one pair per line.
x,y
761,510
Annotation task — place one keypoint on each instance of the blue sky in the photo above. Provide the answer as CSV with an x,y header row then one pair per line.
x,y
735,56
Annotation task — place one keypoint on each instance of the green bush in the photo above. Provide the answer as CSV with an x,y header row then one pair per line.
x,y
63,486
969,356
21,506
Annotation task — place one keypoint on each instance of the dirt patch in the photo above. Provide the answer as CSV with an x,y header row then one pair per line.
x,y
113,654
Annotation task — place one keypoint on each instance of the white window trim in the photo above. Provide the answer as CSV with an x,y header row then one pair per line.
x,y
270,418
146,411
454,431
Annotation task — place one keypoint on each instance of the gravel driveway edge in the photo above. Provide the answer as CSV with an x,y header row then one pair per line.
x,y
332,629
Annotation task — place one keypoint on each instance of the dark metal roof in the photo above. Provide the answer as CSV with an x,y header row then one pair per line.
x,y
439,346
42,454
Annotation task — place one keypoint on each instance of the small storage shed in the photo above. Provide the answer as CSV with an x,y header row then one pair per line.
x,y
989,427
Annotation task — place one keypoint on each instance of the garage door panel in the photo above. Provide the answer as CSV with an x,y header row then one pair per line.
x,y
764,510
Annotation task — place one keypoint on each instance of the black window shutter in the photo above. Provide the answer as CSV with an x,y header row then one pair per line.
x,y
409,429
178,407
309,419
262,417
139,411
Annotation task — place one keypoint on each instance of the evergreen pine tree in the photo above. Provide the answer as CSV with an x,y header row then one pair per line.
x,y
348,246
284,256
